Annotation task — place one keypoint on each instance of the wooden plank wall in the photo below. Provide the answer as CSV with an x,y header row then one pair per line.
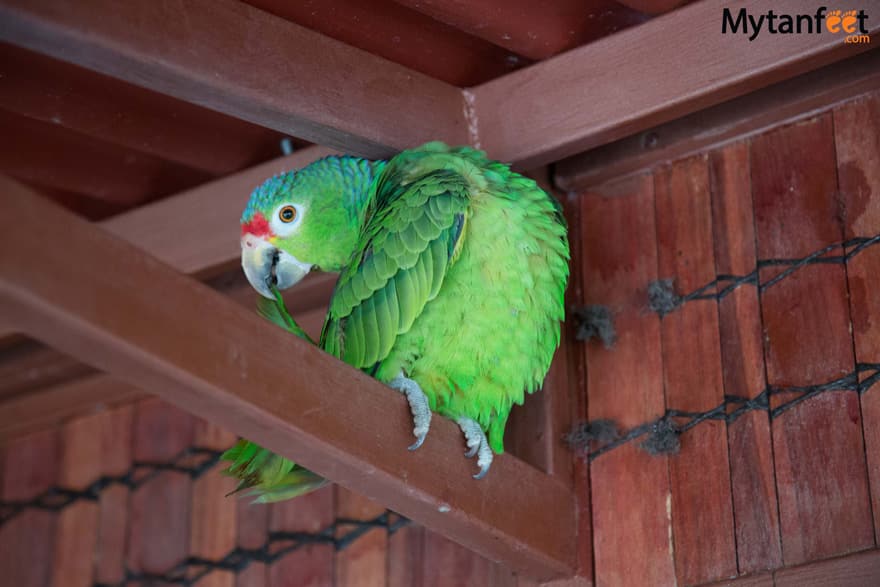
x,y
758,493
788,500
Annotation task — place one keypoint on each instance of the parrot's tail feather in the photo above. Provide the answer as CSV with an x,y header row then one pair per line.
x,y
266,476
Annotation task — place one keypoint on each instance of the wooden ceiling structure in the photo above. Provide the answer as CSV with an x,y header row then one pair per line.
x,y
164,116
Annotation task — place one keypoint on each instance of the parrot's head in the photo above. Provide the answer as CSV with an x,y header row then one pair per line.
x,y
303,220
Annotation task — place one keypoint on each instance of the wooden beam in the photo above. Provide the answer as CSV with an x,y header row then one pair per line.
x,y
641,77
236,59
197,231
537,30
795,99
52,91
196,349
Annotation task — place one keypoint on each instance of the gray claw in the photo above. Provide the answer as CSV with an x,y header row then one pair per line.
x,y
478,445
418,405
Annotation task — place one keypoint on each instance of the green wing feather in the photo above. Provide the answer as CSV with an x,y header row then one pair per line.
x,y
406,248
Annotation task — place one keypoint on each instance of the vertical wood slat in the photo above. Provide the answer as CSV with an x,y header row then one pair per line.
x,y
629,488
577,389
751,453
252,522
76,532
447,564
116,432
312,564
159,511
702,509
406,552
857,137
213,515
363,561
30,466
819,453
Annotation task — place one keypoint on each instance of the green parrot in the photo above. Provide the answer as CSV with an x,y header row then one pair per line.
x,y
452,275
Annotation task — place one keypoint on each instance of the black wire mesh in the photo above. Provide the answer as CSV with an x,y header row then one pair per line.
x,y
195,462
660,436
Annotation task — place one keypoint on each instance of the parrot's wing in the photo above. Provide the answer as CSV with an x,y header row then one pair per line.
x,y
412,237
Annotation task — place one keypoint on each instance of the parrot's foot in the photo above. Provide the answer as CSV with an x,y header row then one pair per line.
x,y
418,405
477,444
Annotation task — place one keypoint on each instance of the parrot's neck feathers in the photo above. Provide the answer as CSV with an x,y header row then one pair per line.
x,y
353,176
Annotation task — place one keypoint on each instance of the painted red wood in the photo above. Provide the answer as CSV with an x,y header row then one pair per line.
x,y
312,564
213,515
253,532
630,496
447,564
115,434
855,570
536,30
389,30
159,527
111,110
857,137
752,475
820,459
51,156
406,551
30,466
702,508
76,530
363,562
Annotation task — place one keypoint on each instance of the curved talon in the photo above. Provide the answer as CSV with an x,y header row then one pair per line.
x,y
478,445
418,406
420,439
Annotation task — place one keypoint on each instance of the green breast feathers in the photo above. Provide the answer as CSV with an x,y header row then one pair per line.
x,y
452,275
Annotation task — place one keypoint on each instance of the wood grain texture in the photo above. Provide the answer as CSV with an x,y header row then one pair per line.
x,y
734,120
857,138
30,467
178,359
51,156
856,570
312,564
76,533
108,109
159,526
388,30
534,30
252,522
364,561
289,78
447,564
580,100
752,476
820,460
116,434
406,552
631,500
702,509
213,514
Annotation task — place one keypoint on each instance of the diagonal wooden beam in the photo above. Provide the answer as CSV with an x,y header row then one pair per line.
x,y
136,318
236,59
671,66
786,102
197,231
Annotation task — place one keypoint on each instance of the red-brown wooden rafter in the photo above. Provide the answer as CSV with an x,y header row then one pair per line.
x,y
198,350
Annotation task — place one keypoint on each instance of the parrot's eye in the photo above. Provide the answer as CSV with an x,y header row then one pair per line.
x,y
287,214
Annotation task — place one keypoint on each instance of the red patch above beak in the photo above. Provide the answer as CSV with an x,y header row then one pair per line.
x,y
258,226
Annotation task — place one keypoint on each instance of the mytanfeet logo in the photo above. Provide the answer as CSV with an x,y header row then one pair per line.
x,y
850,24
